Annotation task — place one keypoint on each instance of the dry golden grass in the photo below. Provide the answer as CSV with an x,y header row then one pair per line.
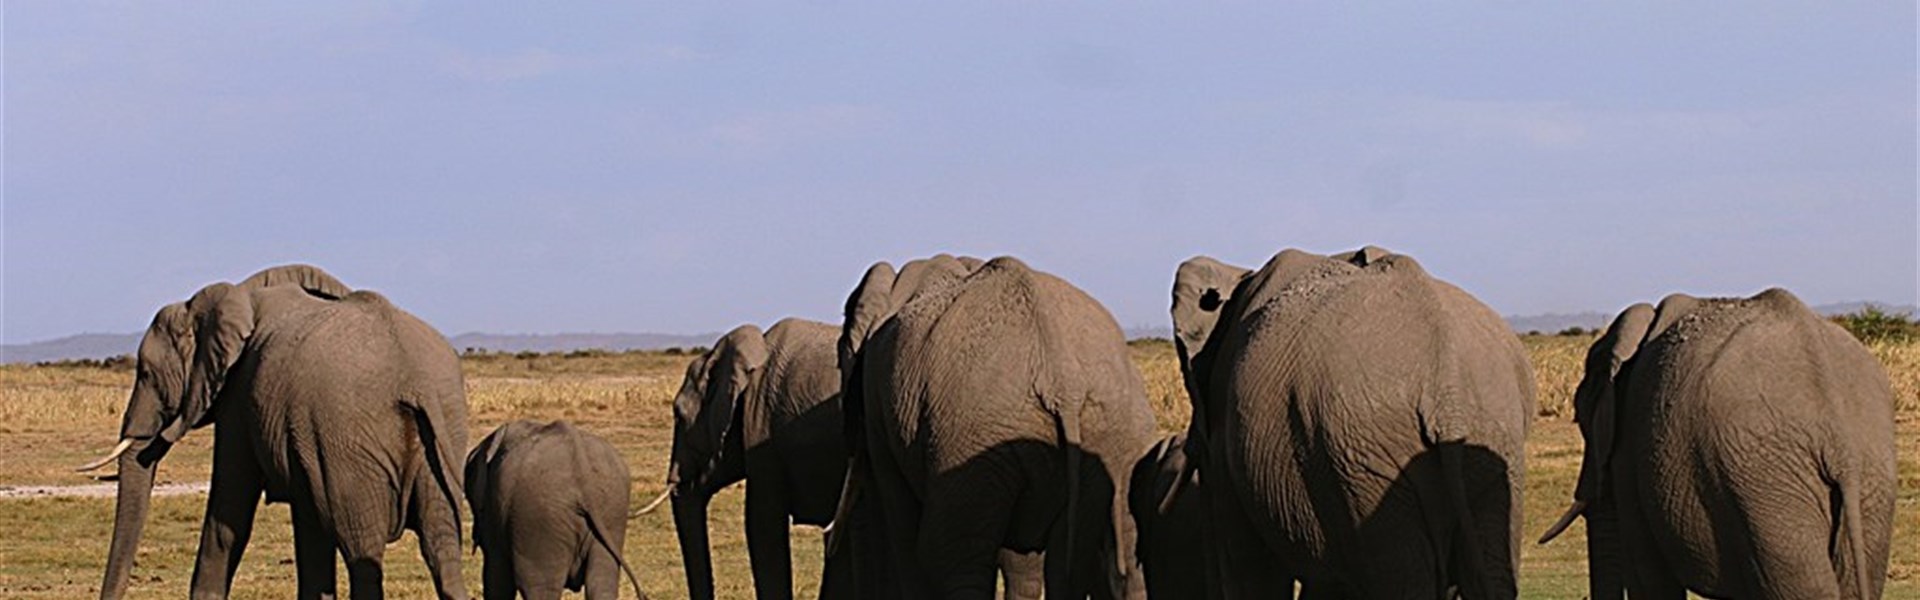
x,y
54,417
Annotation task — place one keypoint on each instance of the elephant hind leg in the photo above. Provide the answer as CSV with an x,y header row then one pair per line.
x,y
313,552
602,575
366,577
962,528
438,527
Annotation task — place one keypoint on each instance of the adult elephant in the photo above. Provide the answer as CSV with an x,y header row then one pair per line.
x,y
991,406
1358,426
1737,448
329,399
763,407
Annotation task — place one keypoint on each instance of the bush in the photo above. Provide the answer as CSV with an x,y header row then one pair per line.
x,y
1575,331
1872,324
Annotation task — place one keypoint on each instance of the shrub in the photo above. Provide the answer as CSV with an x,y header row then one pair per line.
x,y
1872,324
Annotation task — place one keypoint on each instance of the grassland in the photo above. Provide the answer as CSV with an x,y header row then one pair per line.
x,y
52,418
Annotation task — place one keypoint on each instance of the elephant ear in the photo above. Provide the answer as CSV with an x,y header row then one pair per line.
x,y
736,366
1596,402
870,304
310,278
1201,288
477,472
223,322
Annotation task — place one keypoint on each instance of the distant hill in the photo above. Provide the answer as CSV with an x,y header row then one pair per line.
x,y
562,342
104,345
85,345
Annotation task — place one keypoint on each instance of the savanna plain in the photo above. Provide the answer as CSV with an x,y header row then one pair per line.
x,y
55,417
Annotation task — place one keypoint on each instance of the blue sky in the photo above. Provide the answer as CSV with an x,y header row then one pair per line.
x,y
654,167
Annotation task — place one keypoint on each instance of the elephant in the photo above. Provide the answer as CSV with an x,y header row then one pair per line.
x,y
1737,448
990,406
1172,545
549,507
329,399
1358,425
764,408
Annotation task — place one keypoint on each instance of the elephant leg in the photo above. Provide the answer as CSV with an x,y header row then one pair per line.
x,y
313,554
539,571
365,576
1648,577
1790,541
231,504
962,527
439,530
602,581
900,513
496,575
768,543
1023,575
1241,565
837,577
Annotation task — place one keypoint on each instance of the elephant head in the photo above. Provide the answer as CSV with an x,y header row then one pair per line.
x,y
1172,540
708,450
180,368
1201,288
1596,407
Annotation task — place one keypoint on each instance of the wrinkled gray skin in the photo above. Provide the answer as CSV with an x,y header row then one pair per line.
x,y
1172,546
764,408
549,511
1358,425
1737,448
328,399
991,407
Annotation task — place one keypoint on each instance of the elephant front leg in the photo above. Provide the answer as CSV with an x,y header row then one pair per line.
x,y
313,554
767,541
229,519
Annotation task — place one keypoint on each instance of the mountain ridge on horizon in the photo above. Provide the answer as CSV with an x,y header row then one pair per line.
x,y
106,345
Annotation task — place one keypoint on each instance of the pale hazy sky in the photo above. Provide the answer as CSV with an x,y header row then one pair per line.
x,y
658,167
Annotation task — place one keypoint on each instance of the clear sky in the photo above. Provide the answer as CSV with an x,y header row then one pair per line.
x,y
656,167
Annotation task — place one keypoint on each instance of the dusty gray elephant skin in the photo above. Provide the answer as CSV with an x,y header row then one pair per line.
x,y
1358,427
994,407
1737,448
764,408
549,512
328,399
1173,545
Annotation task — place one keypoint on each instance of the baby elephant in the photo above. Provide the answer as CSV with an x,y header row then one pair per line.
x,y
549,510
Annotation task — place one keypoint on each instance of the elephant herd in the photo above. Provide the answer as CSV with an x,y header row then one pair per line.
x,y
1358,430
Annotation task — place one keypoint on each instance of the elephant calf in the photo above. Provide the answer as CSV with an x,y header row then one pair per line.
x,y
549,511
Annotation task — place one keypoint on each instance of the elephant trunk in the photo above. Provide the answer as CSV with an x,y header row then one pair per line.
x,y
130,515
690,522
1606,571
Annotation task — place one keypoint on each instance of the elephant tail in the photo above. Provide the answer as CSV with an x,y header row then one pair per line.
x,y
434,442
1069,430
600,535
1850,543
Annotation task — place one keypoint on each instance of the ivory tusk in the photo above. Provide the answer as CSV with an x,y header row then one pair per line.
x,y
655,504
1566,520
125,443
